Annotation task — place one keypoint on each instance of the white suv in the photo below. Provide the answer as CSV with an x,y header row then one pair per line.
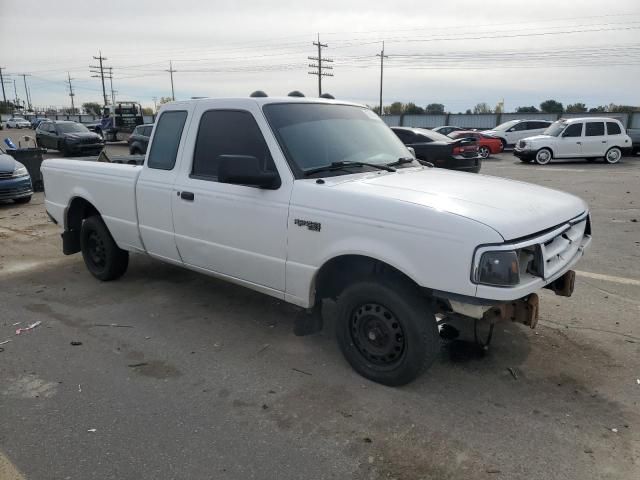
x,y
512,131
591,137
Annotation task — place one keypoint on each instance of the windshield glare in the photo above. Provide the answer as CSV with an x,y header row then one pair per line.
x,y
314,135
506,125
71,128
555,129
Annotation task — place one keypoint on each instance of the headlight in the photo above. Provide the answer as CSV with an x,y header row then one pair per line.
x,y
20,170
499,268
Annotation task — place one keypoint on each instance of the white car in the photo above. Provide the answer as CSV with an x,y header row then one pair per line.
x,y
313,199
18,122
512,131
590,137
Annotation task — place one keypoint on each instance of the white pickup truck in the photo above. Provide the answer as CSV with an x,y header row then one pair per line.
x,y
312,199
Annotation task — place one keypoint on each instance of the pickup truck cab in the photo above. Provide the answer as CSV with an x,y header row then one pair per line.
x,y
589,138
312,199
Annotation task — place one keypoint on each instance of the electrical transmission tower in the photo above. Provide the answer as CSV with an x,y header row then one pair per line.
x,y
98,71
71,94
320,64
382,57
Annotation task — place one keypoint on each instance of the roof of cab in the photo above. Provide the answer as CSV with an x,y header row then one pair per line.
x,y
263,101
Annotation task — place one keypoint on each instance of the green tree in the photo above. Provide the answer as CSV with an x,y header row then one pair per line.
x,y
468,112
598,109
6,107
482,108
412,109
551,106
623,108
435,108
164,100
147,111
530,109
394,109
576,108
92,108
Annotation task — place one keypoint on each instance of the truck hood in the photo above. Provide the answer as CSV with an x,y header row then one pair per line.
x,y
513,209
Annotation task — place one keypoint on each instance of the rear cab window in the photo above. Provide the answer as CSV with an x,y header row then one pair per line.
x,y
164,148
613,128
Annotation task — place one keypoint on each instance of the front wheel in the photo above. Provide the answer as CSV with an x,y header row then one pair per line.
x,y
22,199
484,152
386,331
543,156
102,256
613,155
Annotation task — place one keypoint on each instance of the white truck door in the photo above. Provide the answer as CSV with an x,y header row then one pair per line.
x,y
237,231
569,143
594,143
154,190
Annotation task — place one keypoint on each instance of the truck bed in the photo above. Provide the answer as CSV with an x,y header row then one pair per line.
x,y
109,187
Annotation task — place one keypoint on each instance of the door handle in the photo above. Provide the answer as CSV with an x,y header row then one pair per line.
x,y
578,143
187,196
604,141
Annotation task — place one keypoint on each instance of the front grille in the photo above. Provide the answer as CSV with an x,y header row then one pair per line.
x,y
9,193
6,175
558,251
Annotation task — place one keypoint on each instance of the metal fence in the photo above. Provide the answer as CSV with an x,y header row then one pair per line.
x,y
83,118
488,121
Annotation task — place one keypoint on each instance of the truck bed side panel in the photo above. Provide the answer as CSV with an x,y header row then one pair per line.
x,y
110,188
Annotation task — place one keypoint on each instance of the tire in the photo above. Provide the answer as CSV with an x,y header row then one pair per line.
x,y
386,330
613,155
135,151
543,156
504,144
525,160
22,199
103,258
484,152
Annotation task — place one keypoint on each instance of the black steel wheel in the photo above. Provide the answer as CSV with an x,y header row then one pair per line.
x,y
103,258
386,330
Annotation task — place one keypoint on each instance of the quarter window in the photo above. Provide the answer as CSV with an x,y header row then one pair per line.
x,y
164,147
573,130
613,128
594,129
228,132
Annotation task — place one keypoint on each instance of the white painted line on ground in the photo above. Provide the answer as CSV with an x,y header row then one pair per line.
x,y
609,278
8,470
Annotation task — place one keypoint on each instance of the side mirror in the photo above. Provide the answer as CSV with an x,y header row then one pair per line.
x,y
413,151
246,170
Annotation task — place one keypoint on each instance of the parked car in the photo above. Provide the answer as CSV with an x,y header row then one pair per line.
x,y
510,132
139,139
93,127
68,137
634,133
487,145
590,137
314,200
442,151
15,182
18,122
36,121
447,129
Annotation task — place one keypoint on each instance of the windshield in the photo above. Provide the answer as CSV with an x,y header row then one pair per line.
x,y
506,125
71,128
556,128
313,135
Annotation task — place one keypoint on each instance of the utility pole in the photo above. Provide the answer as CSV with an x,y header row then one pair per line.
x,y
320,65
26,89
4,96
113,97
15,91
71,94
98,70
382,57
155,105
171,72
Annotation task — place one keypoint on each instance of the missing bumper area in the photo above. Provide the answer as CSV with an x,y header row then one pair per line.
x,y
523,311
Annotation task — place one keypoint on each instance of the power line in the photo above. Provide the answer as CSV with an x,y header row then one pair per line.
x,y
99,72
320,64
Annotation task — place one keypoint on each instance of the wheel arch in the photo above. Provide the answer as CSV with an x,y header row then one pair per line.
x,y
79,208
338,272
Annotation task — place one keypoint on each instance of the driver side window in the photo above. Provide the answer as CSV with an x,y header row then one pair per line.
x,y
573,130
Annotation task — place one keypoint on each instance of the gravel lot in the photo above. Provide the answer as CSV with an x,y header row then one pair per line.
x,y
204,379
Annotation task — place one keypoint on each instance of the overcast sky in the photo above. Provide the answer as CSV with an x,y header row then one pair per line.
x,y
457,53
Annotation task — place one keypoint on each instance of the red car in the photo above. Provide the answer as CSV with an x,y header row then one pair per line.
x,y
486,144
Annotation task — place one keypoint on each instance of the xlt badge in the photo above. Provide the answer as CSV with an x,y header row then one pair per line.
x,y
313,226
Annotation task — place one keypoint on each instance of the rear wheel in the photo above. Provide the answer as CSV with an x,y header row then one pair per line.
x,y
103,258
484,152
386,330
543,156
613,155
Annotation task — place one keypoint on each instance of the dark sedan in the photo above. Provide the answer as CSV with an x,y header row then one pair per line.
x,y
69,138
139,139
459,154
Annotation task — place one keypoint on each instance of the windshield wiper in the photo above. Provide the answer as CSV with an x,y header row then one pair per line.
x,y
401,161
341,165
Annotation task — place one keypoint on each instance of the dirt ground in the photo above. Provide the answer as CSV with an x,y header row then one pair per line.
x,y
203,379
